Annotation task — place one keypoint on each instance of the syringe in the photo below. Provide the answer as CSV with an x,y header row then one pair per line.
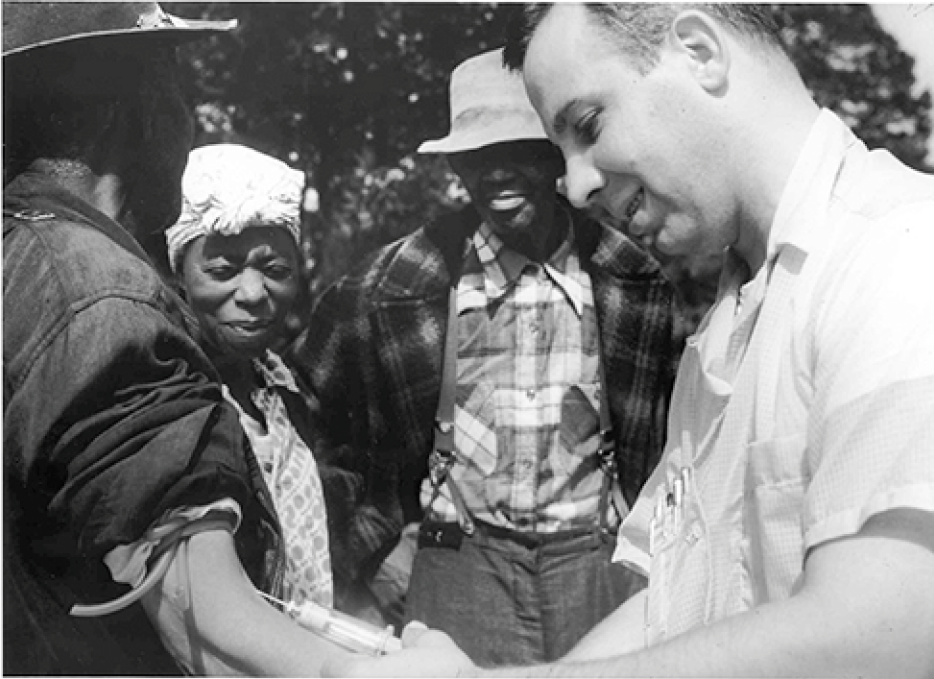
x,y
344,630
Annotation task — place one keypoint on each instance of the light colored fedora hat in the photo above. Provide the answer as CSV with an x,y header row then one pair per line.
x,y
488,105
31,25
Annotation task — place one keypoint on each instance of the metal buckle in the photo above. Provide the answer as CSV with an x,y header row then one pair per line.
x,y
607,451
444,427
439,464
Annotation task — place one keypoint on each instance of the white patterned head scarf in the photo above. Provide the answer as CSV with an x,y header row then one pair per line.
x,y
227,188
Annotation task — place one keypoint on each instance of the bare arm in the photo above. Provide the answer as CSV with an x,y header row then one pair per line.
x,y
229,629
623,631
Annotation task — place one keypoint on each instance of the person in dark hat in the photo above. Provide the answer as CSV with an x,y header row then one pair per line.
x,y
137,528
496,323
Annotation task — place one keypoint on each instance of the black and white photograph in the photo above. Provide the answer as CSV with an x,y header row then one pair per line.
x,y
434,339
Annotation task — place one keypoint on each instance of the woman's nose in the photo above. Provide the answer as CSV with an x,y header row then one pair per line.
x,y
251,288
583,181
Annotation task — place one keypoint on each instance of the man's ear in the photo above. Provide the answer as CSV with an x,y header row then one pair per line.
x,y
703,41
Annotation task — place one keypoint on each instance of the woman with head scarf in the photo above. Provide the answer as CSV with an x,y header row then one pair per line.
x,y
235,251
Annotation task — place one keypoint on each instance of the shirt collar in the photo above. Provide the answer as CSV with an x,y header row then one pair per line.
x,y
803,203
273,372
800,219
502,266
38,191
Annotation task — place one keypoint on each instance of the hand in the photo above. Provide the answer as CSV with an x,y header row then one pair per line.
x,y
425,653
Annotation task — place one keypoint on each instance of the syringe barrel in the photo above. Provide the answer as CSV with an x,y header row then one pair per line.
x,y
346,631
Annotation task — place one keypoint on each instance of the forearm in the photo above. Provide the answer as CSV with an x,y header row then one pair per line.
x,y
226,627
623,631
760,643
768,642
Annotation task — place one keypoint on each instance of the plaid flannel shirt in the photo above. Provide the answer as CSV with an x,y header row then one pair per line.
x,y
528,392
373,353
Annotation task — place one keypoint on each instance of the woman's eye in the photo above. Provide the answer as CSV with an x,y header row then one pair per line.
x,y
587,127
278,272
221,272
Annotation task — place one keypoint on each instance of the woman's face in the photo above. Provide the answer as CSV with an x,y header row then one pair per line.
x,y
242,287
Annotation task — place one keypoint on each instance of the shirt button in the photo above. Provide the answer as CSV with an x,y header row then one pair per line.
x,y
530,394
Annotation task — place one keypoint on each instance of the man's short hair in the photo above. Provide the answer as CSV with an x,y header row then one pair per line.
x,y
639,28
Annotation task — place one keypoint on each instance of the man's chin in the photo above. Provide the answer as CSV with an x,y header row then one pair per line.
x,y
514,223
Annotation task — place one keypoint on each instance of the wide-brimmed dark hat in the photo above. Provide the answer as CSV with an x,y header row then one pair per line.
x,y
30,25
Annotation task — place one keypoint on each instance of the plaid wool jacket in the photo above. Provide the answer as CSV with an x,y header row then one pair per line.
x,y
372,356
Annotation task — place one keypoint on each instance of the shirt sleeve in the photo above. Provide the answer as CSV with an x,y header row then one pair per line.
x,y
127,563
871,430
116,420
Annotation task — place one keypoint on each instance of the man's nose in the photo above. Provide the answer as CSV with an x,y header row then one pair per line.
x,y
498,174
583,181
251,288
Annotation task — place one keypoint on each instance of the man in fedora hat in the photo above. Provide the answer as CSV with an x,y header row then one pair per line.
x,y
129,493
501,376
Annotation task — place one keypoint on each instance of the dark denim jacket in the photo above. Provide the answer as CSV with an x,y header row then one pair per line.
x,y
112,415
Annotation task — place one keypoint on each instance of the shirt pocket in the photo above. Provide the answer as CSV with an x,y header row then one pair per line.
x,y
773,540
475,434
680,570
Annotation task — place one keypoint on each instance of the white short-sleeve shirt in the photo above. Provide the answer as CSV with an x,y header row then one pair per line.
x,y
805,403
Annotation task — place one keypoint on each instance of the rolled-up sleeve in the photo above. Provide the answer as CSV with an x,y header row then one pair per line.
x,y
114,419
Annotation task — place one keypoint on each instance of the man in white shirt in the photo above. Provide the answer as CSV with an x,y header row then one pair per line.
x,y
789,530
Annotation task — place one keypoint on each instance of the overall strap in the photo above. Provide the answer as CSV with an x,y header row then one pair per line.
x,y
607,457
444,419
443,456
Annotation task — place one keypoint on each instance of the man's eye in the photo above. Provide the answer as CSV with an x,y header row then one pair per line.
x,y
587,127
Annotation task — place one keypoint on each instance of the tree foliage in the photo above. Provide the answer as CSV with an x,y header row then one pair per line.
x,y
347,91
854,67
